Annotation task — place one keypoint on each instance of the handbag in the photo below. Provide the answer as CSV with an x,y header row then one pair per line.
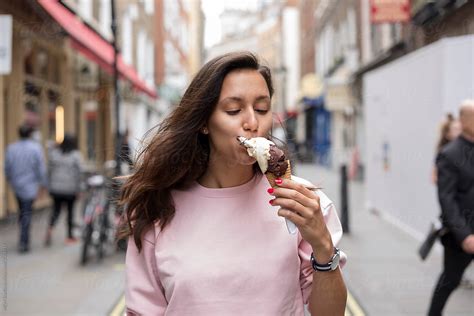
x,y
433,234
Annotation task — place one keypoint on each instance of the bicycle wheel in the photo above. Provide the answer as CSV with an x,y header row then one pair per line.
x,y
100,241
86,241
106,229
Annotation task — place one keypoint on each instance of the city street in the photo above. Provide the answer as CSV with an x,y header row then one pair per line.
x,y
153,89
384,274
50,281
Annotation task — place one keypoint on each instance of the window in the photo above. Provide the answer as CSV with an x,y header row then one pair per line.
x,y
141,61
53,99
42,60
55,75
352,27
127,39
85,9
396,32
105,17
32,104
90,130
149,6
28,63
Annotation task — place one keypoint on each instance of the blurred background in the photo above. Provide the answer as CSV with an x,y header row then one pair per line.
x,y
362,87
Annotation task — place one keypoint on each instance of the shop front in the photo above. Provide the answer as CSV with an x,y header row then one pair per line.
x,y
60,81
36,92
340,102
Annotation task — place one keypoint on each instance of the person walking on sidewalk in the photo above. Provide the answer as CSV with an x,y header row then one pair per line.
x,y
203,237
65,170
450,130
455,165
25,170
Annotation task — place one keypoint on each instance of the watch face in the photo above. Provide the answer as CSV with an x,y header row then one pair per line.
x,y
335,261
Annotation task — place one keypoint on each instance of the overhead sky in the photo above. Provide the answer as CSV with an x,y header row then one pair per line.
x,y
213,8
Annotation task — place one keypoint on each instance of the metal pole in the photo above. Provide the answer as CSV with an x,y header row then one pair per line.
x,y
116,90
344,200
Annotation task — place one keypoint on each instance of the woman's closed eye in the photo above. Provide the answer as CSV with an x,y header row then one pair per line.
x,y
235,112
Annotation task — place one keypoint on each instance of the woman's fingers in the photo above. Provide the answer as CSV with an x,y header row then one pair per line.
x,y
292,205
292,216
296,196
290,184
292,196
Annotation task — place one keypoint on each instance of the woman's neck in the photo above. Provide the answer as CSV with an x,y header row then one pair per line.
x,y
221,175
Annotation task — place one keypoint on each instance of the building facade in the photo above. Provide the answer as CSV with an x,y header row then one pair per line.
x,y
329,108
271,31
61,79
137,41
348,45
179,53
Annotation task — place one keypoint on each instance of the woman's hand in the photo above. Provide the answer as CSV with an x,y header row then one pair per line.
x,y
301,206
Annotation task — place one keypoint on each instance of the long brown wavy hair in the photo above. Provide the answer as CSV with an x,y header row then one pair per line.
x,y
444,132
178,154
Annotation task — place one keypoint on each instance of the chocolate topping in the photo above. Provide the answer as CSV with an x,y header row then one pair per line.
x,y
277,163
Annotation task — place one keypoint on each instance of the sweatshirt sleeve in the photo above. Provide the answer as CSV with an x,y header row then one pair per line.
x,y
144,294
304,250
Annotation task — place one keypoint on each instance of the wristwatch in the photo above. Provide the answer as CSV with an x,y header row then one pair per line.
x,y
330,266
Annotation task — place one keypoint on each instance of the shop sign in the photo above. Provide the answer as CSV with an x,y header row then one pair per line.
x,y
339,97
5,44
389,11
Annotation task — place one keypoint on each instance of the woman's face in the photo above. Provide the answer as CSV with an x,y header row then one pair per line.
x,y
243,109
454,129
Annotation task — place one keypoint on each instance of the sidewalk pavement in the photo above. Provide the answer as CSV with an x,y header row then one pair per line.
x,y
383,271
50,281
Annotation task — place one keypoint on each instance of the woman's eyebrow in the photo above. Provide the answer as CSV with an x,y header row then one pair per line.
x,y
231,99
241,100
262,98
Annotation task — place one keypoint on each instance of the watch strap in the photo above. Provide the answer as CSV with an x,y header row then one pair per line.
x,y
324,267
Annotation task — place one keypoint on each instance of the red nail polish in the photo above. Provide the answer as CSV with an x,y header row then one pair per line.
x,y
270,191
271,202
278,181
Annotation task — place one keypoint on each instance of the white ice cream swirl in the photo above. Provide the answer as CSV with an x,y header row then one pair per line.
x,y
260,150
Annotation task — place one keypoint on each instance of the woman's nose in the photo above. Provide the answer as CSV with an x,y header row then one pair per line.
x,y
251,121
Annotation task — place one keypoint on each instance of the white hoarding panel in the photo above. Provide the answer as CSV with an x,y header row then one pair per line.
x,y
405,101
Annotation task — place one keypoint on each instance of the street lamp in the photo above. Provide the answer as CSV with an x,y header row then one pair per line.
x,y
116,90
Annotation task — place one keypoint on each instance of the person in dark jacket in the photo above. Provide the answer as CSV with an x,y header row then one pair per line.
x,y
455,164
65,169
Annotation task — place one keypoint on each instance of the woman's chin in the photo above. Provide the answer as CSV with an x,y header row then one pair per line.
x,y
248,161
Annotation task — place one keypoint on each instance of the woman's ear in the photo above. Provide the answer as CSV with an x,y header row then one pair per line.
x,y
204,130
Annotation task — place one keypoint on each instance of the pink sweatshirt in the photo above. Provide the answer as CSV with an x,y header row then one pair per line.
x,y
226,252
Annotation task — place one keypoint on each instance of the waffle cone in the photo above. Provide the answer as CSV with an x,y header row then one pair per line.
x,y
271,177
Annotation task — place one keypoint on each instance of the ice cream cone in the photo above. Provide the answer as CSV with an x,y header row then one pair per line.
x,y
271,177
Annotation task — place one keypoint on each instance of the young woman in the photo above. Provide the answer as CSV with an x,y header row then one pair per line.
x,y
450,129
204,239
65,169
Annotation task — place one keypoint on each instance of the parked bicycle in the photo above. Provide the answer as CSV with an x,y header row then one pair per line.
x,y
100,216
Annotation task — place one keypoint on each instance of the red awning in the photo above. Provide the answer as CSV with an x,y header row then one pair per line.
x,y
92,45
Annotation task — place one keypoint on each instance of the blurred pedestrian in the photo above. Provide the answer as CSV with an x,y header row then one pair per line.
x,y
450,130
25,170
125,154
65,170
455,164
204,239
